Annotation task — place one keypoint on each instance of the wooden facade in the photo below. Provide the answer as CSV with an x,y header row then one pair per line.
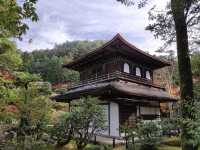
x,y
121,75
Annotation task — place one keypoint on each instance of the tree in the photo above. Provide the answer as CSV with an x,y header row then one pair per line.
x,y
170,25
84,121
10,58
12,15
149,135
87,120
33,120
48,63
12,25
62,131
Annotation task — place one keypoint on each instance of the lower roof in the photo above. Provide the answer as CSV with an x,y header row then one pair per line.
x,y
116,89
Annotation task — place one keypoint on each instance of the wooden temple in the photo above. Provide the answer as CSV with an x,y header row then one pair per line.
x,y
121,75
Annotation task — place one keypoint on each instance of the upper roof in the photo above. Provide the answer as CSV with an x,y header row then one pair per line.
x,y
120,45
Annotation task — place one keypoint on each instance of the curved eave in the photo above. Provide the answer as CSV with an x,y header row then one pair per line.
x,y
74,64
116,89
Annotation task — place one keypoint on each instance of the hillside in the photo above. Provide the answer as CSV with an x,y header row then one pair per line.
x,y
48,62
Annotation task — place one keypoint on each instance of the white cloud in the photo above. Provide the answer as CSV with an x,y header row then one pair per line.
x,y
63,20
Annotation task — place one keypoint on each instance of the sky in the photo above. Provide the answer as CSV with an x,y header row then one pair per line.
x,y
68,20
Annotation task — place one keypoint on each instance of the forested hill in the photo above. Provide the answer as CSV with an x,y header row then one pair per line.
x,y
72,49
48,62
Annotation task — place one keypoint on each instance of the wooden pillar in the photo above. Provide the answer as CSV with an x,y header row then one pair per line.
x,y
69,106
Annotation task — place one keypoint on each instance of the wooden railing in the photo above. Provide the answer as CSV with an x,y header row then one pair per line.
x,y
114,75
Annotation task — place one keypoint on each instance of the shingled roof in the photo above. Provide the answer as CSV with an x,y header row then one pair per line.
x,y
120,45
117,88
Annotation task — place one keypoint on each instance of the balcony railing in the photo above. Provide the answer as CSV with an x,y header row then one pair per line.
x,y
114,75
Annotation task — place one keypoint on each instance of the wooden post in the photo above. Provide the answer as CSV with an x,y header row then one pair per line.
x,y
133,141
113,142
95,139
69,106
126,142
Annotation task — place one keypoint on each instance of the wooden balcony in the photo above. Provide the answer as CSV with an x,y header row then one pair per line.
x,y
113,76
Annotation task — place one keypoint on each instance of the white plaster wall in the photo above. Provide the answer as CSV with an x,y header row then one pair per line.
x,y
106,117
114,119
150,110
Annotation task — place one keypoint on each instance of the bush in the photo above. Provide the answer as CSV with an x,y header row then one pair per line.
x,y
170,126
148,134
62,131
29,143
85,119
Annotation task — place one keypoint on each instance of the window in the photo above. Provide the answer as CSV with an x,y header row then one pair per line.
x,y
148,76
138,71
126,68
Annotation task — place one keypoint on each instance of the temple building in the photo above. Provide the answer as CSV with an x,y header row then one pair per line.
x,y
121,75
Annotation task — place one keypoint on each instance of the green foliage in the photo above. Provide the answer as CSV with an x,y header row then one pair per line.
x,y
24,78
190,125
85,119
30,144
10,58
48,63
170,126
62,131
12,17
195,62
197,89
98,147
51,69
172,141
43,88
76,49
21,99
149,134
33,120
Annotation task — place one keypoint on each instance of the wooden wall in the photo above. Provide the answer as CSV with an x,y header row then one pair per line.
x,y
110,65
127,115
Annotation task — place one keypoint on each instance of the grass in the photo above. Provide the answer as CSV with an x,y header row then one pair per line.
x,y
166,147
92,147
161,147
172,143
168,143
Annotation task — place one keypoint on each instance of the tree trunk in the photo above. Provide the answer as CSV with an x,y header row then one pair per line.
x,y
184,66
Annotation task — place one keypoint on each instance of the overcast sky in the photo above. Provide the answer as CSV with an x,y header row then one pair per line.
x,y
62,20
